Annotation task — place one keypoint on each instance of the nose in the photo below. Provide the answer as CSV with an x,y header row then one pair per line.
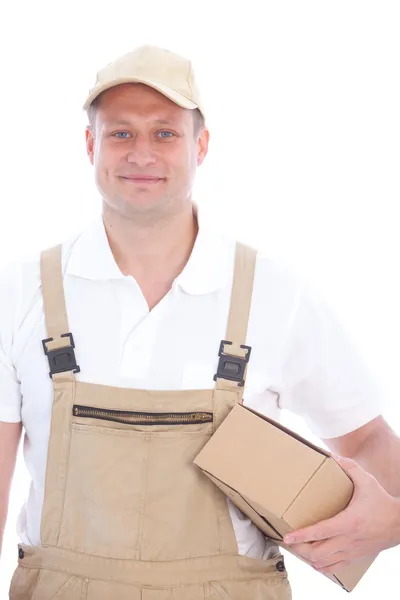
x,y
141,152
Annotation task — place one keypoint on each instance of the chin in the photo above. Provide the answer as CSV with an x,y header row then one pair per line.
x,y
142,204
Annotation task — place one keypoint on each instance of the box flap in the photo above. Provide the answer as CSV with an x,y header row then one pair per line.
x,y
249,453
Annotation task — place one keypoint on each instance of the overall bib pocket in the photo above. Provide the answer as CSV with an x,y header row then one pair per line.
x,y
119,503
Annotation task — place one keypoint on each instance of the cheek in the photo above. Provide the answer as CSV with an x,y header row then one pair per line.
x,y
104,158
98,155
185,162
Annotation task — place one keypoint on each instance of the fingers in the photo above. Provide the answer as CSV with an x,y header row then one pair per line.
x,y
328,553
320,531
320,554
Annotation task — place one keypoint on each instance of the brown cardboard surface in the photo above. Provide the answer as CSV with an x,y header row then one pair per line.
x,y
273,454
304,509
278,479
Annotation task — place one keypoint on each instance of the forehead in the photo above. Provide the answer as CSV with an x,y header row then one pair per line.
x,y
138,100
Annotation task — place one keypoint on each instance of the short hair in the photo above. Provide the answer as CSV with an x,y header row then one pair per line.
x,y
198,119
91,111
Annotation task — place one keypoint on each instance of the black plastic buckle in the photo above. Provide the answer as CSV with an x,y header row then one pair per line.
x,y
232,367
61,359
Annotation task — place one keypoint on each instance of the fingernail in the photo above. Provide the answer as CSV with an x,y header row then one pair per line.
x,y
288,539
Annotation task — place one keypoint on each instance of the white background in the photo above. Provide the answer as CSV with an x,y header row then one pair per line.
x,y
303,100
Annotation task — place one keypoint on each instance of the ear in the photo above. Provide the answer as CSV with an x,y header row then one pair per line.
x,y
90,143
202,145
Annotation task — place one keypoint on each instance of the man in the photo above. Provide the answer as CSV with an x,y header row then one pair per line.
x,y
109,358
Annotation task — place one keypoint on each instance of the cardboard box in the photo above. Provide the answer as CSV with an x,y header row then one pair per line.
x,y
277,478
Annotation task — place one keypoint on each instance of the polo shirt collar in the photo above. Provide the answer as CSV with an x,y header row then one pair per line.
x,y
207,269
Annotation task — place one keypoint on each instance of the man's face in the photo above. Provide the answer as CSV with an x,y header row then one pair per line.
x,y
144,150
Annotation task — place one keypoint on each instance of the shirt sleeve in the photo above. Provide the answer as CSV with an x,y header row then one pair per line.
x,y
10,393
325,379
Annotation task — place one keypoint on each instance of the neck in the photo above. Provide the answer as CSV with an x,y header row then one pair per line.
x,y
155,252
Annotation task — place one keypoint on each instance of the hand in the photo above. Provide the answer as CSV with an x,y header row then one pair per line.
x,y
369,524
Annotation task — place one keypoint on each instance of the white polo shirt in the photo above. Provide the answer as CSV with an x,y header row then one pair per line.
x,y
300,360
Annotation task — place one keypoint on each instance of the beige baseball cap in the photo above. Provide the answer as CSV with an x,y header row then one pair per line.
x,y
163,70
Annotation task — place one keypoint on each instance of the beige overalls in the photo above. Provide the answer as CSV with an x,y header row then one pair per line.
x,y
127,515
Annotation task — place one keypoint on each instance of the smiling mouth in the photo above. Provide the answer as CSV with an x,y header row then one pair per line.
x,y
142,180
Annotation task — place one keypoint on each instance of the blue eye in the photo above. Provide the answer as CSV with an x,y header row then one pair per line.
x,y
122,135
169,133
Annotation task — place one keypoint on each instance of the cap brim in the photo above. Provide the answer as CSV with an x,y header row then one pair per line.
x,y
176,97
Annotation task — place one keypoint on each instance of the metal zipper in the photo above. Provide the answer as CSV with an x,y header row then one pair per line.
x,y
142,418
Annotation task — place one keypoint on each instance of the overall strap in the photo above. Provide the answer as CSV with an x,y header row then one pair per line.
x,y
234,354
59,344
